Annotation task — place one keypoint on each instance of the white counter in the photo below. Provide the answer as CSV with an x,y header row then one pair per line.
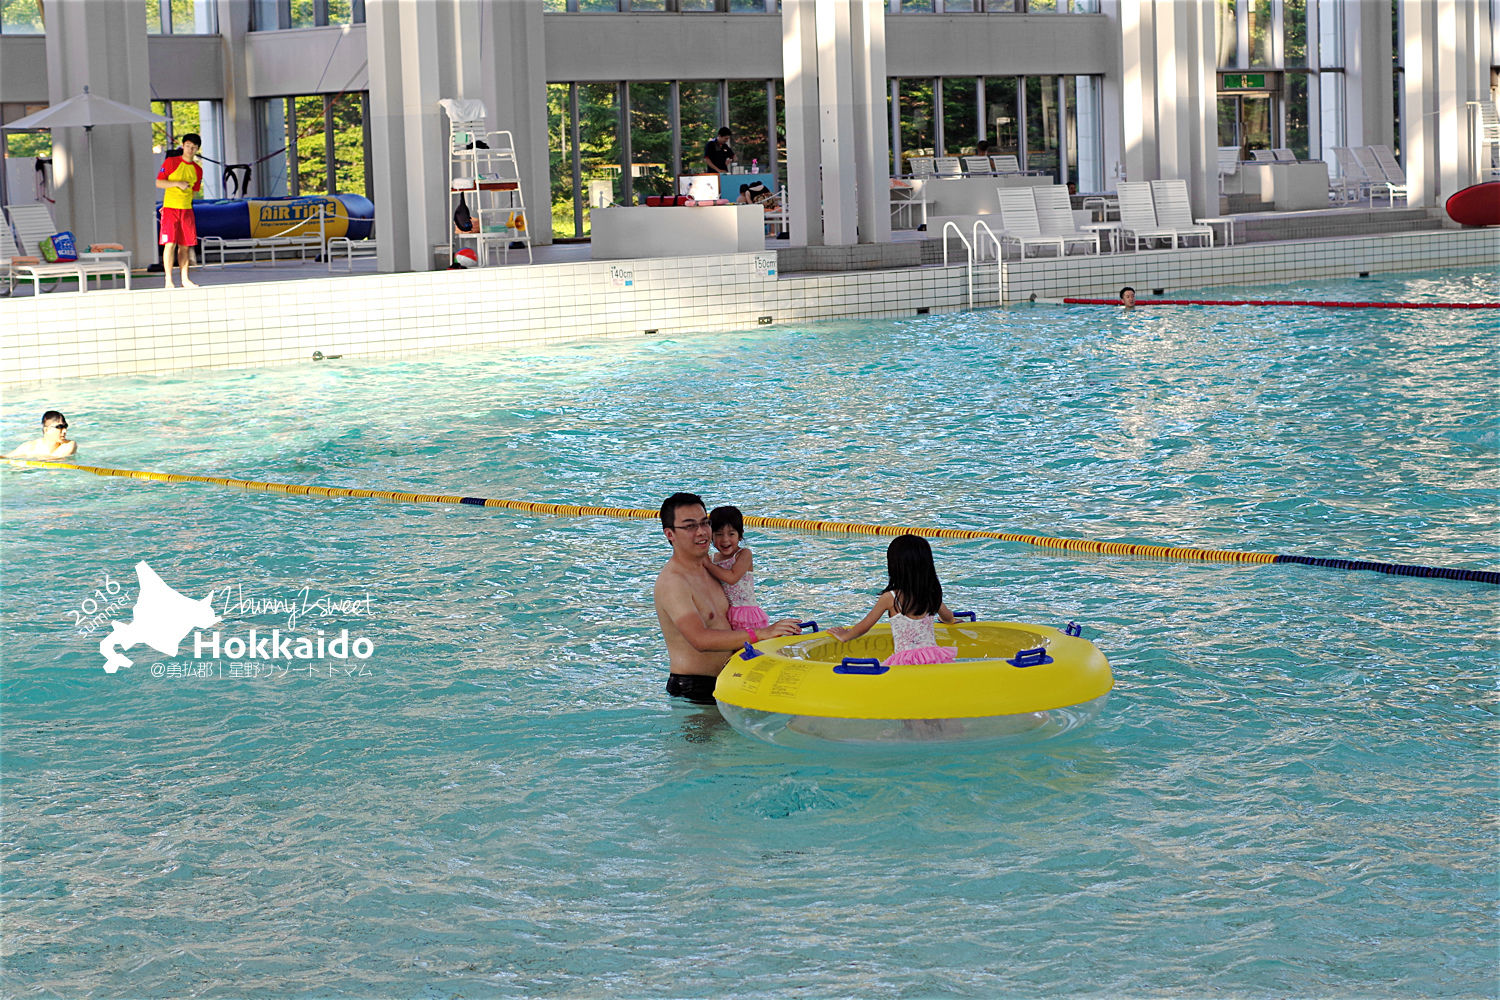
x,y
621,233
1287,186
970,195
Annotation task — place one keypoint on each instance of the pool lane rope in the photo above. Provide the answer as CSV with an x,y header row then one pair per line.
x,y
1288,302
796,523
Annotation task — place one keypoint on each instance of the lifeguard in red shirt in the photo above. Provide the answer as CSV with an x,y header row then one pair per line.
x,y
180,177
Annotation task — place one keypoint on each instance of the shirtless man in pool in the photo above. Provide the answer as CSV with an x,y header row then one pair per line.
x,y
53,444
692,608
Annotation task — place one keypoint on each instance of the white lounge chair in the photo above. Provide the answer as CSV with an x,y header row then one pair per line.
x,y
1175,212
28,268
1354,183
1005,163
1283,156
1054,210
1229,164
1378,181
350,249
33,223
921,166
1019,222
1262,156
947,166
977,166
1395,177
1138,216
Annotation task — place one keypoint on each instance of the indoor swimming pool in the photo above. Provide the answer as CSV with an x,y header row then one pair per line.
x,y
1291,791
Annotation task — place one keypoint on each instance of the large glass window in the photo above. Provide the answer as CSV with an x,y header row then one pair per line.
x,y
1295,97
182,17
1044,136
669,124
313,144
960,115
274,15
917,134
1001,115
699,113
562,148
992,6
1227,31
1294,15
28,146
747,116
1089,132
650,139
1300,115
1262,35
598,127
278,142
203,119
347,114
21,17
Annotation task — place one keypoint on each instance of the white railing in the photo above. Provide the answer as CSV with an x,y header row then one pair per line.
x,y
968,250
999,256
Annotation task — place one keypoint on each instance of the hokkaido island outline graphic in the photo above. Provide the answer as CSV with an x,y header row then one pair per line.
x,y
161,618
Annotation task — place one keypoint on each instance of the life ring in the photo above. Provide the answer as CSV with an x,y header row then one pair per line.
x,y
1010,682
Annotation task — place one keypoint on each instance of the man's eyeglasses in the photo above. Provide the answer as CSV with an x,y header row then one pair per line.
x,y
691,525
57,427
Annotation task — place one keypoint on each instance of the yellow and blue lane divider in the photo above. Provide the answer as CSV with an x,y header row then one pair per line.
x,y
1491,577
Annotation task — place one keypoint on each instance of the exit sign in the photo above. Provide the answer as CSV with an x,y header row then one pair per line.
x,y
1244,81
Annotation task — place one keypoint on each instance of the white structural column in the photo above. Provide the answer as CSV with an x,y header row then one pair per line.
x,y
1169,95
419,54
836,122
514,90
102,46
1441,75
872,139
838,150
1369,88
799,60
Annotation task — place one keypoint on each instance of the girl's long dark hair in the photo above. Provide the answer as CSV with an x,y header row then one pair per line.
x,y
914,579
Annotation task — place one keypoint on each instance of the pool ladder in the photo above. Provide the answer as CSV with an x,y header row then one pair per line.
x,y
970,254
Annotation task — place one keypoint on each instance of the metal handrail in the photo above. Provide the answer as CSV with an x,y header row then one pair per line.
x,y
968,249
999,255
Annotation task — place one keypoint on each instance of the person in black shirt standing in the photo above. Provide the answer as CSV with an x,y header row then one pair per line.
x,y
718,152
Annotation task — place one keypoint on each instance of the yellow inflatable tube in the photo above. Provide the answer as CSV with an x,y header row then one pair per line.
x,y
1010,681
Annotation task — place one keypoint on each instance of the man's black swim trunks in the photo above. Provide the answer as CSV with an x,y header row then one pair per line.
x,y
698,688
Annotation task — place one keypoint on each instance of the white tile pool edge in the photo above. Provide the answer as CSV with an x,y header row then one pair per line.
x,y
255,325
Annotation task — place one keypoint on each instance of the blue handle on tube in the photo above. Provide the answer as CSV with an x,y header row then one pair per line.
x,y
1030,657
860,665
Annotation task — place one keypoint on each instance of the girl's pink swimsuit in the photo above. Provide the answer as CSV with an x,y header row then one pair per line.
x,y
743,611
916,641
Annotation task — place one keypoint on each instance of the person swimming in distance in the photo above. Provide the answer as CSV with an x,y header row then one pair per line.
x,y
1127,297
52,445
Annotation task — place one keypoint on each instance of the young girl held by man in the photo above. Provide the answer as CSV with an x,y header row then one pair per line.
x,y
734,567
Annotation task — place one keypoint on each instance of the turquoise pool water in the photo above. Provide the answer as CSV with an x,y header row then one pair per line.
x,y
1291,792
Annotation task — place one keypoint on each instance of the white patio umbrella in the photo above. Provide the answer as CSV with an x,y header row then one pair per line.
x,y
85,111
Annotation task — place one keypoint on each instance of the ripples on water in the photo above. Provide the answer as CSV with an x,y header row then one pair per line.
x,y
1290,792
